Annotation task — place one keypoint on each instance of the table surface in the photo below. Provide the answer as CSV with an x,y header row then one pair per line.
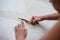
x,y
7,29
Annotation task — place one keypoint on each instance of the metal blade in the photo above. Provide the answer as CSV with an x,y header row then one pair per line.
x,y
24,20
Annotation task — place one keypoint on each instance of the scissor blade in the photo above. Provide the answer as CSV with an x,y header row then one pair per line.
x,y
24,20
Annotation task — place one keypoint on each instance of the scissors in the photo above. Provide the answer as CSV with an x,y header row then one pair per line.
x,y
27,21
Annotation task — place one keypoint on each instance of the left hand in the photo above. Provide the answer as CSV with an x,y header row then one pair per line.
x,y
20,32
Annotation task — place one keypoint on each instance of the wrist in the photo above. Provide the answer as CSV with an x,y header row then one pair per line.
x,y
46,17
43,18
20,38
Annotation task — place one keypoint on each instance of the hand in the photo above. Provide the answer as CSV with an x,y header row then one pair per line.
x,y
35,19
20,32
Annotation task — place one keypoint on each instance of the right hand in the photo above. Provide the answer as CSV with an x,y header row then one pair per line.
x,y
35,19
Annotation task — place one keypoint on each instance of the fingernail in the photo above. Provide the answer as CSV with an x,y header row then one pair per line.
x,y
22,22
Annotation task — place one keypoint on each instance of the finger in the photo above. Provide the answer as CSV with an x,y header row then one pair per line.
x,y
34,22
16,29
18,26
21,26
26,32
32,19
37,22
